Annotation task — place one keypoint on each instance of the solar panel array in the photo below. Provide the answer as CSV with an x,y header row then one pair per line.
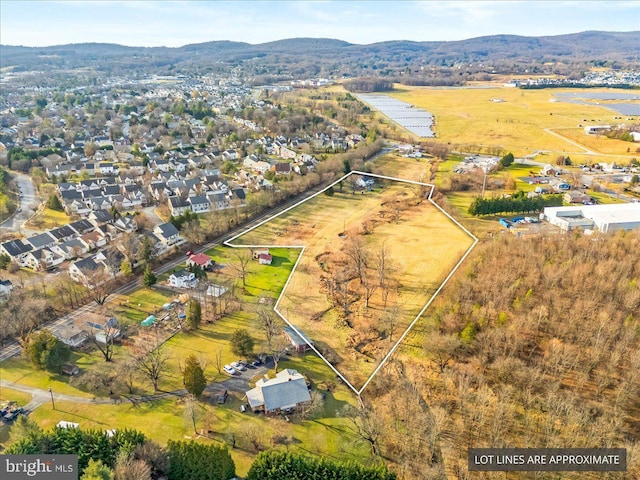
x,y
417,121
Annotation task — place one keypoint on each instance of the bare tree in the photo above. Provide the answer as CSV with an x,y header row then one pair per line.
x,y
109,331
192,411
217,360
153,364
242,267
100,285
441,348
268,323
193,232
356,252
366,425
129,244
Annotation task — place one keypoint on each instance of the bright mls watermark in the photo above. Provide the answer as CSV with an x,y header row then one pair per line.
x,y
58,467
548,459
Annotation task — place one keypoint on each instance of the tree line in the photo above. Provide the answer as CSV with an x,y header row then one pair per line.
x,y
128,454
517,203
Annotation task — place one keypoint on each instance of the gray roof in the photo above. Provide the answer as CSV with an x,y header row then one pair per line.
x,y
197,199
288,389
178,202
16,247
167,230
82,226
87,265
295,338
41,239
62,232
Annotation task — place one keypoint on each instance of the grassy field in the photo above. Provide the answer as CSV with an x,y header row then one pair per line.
x,y
317,224
47,219
323,435
467,118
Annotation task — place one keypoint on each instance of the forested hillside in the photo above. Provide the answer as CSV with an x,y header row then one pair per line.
x,y
535,344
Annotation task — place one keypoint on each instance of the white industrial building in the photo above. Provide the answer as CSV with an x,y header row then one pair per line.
x,y
603,218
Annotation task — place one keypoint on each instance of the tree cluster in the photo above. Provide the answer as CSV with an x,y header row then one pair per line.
x,y
517,203
198,461
278,465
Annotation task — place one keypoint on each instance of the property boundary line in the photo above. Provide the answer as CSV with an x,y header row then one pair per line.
x,y
302,248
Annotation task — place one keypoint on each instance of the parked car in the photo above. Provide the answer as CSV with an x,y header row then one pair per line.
x,y
239,367
222,397
189,253
230,370
256,363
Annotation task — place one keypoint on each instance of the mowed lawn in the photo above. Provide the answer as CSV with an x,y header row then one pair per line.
x,y
467,117
163,420
424,246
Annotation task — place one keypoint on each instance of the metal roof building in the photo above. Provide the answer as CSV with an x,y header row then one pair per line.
x,y
604,218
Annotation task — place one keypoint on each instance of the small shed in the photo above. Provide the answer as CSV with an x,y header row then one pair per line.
x,y
265,259
298,340
70,369
147,322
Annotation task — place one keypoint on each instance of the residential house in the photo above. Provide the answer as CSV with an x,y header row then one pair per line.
x,y
63,233
41,240
283,168
93,240
42,258
199,203
178,205
217,200
229,155
100,216
82,226
286,391
126,223
183,279
85,269
168,235
200,259
70,249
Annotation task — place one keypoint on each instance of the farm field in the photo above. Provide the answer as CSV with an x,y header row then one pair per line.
x,y
421,247
470,120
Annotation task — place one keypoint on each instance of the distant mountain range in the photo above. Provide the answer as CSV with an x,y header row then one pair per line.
x,y
296,53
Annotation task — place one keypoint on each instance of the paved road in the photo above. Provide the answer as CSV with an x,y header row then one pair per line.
x,y
27,200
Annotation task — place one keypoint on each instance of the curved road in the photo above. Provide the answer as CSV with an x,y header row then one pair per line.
x,y
27,200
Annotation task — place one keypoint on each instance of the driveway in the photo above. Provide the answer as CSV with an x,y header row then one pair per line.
x,y
240,382
27,200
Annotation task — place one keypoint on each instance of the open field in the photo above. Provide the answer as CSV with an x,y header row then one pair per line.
x,y
47,219
322,435
423,246
469,120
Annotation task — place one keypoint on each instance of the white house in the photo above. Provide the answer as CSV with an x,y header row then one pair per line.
x,y
183,279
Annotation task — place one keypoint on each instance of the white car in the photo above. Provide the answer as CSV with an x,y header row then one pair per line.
x,y
230,370
238,366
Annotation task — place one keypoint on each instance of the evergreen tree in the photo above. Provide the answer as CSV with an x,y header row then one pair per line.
x,y
193,374
96,470
149,277
197,461
241,342
194,313
507,160
54,203
47,352
278,465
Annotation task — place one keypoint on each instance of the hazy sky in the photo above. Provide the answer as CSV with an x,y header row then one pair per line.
x,y
176,23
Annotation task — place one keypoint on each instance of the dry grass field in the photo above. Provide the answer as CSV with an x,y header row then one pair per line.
x,y
470,120
422,247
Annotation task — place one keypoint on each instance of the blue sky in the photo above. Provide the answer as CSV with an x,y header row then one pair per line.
x,y
176,23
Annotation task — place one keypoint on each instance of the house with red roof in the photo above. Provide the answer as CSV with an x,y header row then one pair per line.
x,y
200,259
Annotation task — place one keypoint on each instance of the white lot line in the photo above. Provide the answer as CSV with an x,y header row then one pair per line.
x,y
302,248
